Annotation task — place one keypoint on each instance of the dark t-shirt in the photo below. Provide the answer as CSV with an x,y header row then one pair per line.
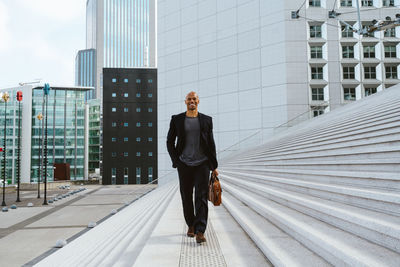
x,y
192,154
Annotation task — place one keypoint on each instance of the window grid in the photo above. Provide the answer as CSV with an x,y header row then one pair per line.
x,y
370,91
369,72
315,31
346,31
317,94
346,3
390,51
315,3
388,3
391,72
348,73
367,3
348,51
349,94
317,73
369,51
316,51
390,32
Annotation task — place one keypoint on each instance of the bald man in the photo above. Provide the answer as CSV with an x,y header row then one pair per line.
x,y
194,155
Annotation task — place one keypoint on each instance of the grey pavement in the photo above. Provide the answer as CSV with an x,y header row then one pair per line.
x,y
29,233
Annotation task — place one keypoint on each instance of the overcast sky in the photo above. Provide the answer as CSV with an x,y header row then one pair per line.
x,y
39,39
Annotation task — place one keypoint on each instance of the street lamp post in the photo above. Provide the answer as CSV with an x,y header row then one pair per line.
x,y
40,117
19,99
46,90
5,97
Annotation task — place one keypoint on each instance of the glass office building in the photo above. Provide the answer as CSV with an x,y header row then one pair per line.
x,y
11,138
94,135
85,71
122,33
65,130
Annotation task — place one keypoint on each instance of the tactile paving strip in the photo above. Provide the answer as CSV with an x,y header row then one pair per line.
x,y
205,254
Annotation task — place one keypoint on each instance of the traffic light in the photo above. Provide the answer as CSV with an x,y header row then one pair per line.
x,y
19,96
1,149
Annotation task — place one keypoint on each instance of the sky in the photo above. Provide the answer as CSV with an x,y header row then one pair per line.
x,y
39,39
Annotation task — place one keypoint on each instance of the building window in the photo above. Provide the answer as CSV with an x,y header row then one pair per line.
x,y
316,51
138,81
369,72
388,2
369,51
348,51
390,51
125,80
137,109
391,72
113,154
114,80
126,170
317,94
137,94
347,31
315,3
150,109
138,175
150,80
149,95
150,139
126,109
113,124
346,3
113,139
150,154
317,73
138,124
125,154
150,124
113,109
367,2
137,139
317,110
348,73
113,171
370,91
126,94
150,173
390,32
315,31
113,95
125,124
113,175
125,139
137,154
349,93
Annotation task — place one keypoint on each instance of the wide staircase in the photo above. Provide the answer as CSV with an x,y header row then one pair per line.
x,y
326,191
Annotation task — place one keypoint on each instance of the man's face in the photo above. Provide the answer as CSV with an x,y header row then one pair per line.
x,y
192,101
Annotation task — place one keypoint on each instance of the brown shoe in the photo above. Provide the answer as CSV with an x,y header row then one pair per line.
x,y
190,232
200,238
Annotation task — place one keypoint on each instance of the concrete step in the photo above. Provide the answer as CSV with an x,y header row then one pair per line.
x,y
349,181
123,233
376,227
336,246
352,131
373,199
373,136
280,248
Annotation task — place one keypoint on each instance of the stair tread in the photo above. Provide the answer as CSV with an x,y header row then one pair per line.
x,y
333,239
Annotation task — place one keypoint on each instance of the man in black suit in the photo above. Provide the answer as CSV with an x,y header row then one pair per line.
x,y
194,155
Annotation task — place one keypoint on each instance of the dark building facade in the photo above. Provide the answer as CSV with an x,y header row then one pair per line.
x,y
129,125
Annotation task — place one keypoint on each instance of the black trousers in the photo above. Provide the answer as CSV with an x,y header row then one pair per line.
x,y
197,177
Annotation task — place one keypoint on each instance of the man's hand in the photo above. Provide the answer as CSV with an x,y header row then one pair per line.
x,y
215,172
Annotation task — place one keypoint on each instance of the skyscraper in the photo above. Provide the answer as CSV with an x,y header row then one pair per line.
x,y
122,33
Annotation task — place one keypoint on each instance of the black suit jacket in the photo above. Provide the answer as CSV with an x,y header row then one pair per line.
x,y
177,130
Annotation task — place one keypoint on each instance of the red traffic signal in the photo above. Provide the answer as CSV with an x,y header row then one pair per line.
x,y
1,149
19,96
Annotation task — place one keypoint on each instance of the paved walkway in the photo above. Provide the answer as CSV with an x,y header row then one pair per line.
x,y
27,233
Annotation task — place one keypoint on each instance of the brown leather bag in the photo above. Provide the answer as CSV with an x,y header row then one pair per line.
x,y
214,191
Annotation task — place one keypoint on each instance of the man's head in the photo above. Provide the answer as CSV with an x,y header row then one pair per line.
x,y
192,101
